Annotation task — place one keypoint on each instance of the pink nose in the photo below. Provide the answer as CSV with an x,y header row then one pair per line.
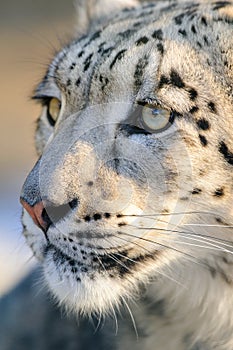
x,y
35,212
47,213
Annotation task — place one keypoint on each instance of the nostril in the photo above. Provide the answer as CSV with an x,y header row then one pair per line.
x,y
46,219
51,214
45,214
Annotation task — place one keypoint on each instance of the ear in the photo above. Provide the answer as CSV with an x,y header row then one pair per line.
x,y
90,12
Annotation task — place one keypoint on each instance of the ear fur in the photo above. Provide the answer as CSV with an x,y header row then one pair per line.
x,y
90,12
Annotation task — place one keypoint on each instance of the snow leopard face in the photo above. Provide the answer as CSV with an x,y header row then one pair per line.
x,y
135,149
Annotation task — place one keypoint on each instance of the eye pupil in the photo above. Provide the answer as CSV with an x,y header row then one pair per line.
x,y
155,111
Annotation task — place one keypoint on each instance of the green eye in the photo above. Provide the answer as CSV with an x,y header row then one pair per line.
x,y
54,107
155,119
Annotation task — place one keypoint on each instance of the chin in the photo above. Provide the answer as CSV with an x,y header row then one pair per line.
x,y
87,293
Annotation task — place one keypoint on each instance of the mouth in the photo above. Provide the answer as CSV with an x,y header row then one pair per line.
x,y
92,262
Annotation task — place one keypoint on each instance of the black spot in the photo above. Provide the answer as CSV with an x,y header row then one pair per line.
x,y
168,8
212,107
104,83
224,259
74,248
78,81
199,44
107,215
182,32
143,40
74,270
95,36
203,21
84,269
107,261
193,29
126,34
68,83
100,47
203,140
160,48
122,224
87,62
196,191
78,279
192,17
137,24
163,81
72,66
149,5
223,149
70,240
219,192
219,220
176,80
127,9
90,183
108,51
97,217
118,57
213,273
145,14
72,262
87,218
127,266
139,71
206,40
193,110
81,53
178,19
157,34
193,94
119,216
203,124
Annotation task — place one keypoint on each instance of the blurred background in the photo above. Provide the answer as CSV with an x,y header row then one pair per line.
x,y
30,33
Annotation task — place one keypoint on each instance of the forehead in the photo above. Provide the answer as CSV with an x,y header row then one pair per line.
x,y
153,37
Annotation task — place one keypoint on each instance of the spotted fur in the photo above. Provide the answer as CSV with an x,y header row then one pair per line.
x,y
135,219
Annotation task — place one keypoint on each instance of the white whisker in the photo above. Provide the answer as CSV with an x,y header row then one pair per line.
x,y
131,316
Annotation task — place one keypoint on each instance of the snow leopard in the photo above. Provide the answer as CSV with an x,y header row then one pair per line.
x,y
129,206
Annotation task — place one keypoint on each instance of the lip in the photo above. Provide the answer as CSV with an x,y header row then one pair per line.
x,y
115,264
